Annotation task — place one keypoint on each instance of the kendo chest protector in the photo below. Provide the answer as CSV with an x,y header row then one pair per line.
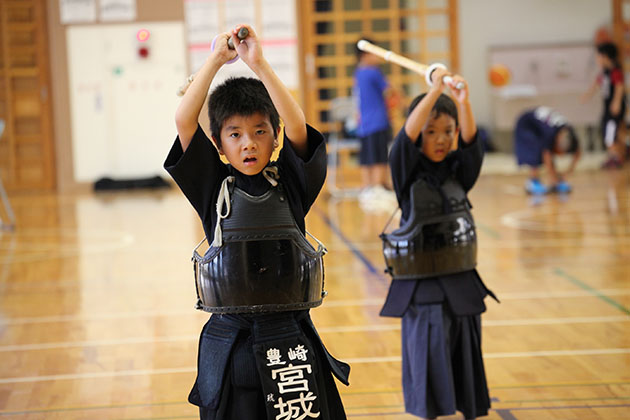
x,y
438,238
263,262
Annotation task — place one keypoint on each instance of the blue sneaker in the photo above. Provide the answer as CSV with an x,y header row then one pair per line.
x,y
562,187
535,187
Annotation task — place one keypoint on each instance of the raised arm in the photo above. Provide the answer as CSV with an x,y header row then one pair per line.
x,y
420,114
187,114
550,167
292,115
464,110
586,96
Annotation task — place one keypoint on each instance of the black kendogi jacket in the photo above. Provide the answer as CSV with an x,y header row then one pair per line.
x,y
464,292
199,173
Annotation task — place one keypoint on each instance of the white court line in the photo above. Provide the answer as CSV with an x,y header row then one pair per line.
x,y
529,219
356,360
505,243
561,294
93,375
330,304
322,330
506,355
97,343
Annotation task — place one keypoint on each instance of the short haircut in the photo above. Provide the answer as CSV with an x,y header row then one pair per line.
x,y
609,50
443,105
240,96
570,144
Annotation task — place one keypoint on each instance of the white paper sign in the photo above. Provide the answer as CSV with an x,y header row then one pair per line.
x,y
239,11
77,11
278,19
117,10
202,21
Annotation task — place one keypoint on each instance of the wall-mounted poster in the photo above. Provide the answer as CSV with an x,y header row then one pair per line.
x,y
77,11
117,10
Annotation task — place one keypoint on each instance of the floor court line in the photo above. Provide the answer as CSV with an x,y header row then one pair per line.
x,y
333,303
323,330
593,291
345,394
338,246
357,360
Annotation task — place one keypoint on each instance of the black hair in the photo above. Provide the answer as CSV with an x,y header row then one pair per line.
x,y
610,50
240,96
361,53
443,105
574,141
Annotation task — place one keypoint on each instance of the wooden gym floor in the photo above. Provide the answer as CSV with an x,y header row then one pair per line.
x,y
97,318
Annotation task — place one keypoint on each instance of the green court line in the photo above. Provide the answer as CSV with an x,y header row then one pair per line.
x,y
488,230
161,418
560,385
560,272
343,394
90,407
563,399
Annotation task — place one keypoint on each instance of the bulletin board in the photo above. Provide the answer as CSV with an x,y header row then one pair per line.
x,y
554,75
273,20
123,98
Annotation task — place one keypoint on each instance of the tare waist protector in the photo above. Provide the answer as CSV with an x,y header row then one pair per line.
x,y
437,238
264,262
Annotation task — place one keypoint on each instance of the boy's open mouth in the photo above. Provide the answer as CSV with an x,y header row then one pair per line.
x,y
250,159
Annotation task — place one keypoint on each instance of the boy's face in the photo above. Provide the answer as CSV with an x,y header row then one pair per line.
x,y
248,142
370,60
438,136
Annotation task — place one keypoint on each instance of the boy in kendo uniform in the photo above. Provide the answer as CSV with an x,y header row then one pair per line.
x,y
260,356
432,256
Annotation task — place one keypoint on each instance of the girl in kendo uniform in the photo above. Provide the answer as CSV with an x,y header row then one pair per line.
x,y
431,257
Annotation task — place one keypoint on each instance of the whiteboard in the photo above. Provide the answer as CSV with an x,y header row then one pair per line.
x,y
554,75
123,105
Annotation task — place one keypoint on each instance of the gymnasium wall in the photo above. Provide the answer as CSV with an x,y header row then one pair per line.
x,y
487,23
482,24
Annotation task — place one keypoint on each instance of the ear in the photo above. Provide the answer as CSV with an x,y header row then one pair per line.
x,y
276,143
455,143
216,144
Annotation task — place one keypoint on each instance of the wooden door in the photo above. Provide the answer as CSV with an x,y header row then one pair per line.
x,y
26,146
423,30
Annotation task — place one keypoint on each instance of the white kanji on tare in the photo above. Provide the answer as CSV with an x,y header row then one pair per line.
x,y
274,357
298,353
291,378
296,408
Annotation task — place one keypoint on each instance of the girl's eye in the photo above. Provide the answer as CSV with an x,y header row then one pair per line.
x,y
260,132
234,135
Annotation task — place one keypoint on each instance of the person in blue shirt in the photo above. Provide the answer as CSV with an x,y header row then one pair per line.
x,y
540,134
374,130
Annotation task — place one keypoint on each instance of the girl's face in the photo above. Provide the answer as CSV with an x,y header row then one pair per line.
x,y
438,136
603,61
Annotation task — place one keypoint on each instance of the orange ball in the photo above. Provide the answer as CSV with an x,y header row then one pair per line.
x,y
499,75
602,35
